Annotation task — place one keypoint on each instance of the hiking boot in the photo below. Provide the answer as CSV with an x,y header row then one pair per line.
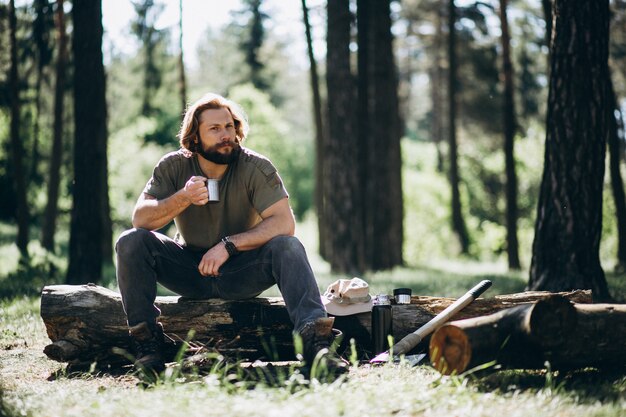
x,y
319,353
148,341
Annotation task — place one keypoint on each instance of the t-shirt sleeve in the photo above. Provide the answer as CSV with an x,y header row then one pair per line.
x,y
162,183
266,186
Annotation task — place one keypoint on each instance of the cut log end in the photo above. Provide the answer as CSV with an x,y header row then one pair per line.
x,y
551,320
450,351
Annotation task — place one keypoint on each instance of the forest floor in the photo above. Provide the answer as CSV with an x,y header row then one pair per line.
x,y
33,385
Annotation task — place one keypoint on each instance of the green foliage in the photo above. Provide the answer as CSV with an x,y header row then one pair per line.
x,y
20,276
270,136
428,232
130,166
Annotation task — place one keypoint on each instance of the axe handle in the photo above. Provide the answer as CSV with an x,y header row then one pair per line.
x,y
411,340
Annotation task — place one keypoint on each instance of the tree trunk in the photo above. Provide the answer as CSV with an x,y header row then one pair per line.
x,y
342,197
90,140
569,217
568,336
380,137
85,322
509,123
617,185
458,222
437,91
54,174
319,133
547,14
182,82
19,180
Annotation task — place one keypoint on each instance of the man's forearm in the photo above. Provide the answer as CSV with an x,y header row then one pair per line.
x,y
153,214
259,235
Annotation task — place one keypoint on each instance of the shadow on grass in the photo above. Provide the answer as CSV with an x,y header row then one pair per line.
x,y
229,374
587,385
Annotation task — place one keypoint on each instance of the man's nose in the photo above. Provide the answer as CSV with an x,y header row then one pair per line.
x,y
225,135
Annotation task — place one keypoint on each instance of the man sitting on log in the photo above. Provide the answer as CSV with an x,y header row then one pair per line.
x,y
235,235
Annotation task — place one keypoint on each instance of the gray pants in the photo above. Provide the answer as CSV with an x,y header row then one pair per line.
x,y
145,258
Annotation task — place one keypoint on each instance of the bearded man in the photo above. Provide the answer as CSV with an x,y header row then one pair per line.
x,y
232,245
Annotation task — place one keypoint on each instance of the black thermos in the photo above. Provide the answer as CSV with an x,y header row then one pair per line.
x,y
382,319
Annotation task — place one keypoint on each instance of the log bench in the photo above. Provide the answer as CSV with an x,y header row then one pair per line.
x,y
87,324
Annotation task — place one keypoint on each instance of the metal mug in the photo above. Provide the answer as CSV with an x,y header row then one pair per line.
x,y
212,186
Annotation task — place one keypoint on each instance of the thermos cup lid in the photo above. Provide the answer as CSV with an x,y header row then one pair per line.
x,y
400,291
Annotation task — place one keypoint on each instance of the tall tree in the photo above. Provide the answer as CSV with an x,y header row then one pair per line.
x,y
17,151
319,131
617,184
182,82
458,221
144,28
54,173
380,166
42,26
509,124
90,193
252,43
569,217
341,192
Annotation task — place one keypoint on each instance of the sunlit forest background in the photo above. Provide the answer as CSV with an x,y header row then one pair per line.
x,y
252,59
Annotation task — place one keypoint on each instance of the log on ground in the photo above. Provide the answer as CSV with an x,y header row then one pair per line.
x,y
553,330
86,322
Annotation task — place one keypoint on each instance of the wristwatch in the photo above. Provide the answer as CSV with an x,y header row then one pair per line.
x,y
230,246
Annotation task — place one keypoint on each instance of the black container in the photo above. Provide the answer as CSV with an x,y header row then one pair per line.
x,y
382,328
402,295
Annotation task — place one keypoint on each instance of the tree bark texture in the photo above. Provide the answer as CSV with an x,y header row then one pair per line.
x,y
342,197
90,142
568,336
458,222
85,322
17,150
319,134
569,217
381,161
54,173
510,127
617,184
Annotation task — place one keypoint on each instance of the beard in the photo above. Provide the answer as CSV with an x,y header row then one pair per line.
x,y
212,153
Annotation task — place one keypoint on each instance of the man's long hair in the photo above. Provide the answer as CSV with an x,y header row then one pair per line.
x,y
188,135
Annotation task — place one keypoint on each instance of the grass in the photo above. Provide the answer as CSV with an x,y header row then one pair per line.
x,y
32,385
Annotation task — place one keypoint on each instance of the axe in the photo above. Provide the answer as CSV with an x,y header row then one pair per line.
x,y
412,339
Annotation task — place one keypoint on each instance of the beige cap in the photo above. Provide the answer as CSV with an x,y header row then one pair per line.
x,y
347,296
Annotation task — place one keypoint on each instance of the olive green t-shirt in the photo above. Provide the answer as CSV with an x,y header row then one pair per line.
x,y
250,185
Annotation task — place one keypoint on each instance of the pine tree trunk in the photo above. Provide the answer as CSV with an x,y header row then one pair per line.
x,y
380,137
17,149
437,91
458,222
54,173
90,140
509,142
182,81
319,132
341,191
547,14
569,216
617,184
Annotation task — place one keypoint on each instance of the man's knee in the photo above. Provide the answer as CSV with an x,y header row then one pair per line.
x,y
286,245
130,241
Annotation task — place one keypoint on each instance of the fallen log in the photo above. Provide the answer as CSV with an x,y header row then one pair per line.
x,y
554,330
86,322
